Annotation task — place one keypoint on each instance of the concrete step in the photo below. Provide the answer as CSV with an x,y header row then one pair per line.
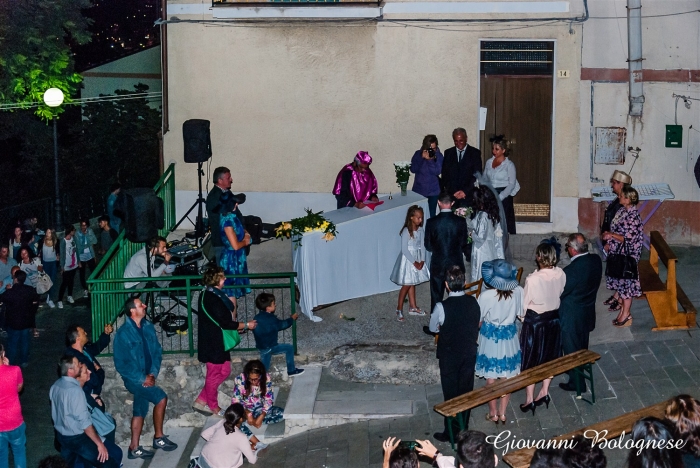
x,y
179,435
302,396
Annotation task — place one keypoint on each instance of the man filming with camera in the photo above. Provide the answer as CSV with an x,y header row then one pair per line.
x,y
426,164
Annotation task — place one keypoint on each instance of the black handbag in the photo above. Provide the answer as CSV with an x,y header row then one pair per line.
x,y
622,265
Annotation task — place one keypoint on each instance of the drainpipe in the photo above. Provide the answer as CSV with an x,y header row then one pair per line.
x,y
164,65
634,45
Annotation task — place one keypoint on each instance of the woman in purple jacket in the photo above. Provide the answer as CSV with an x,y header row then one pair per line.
x,y
426,164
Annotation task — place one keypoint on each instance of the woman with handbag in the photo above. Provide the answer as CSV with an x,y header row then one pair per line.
x,y
217,317
623,246
49,253
30,264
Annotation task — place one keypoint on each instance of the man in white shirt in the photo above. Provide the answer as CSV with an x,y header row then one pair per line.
x,y
138,265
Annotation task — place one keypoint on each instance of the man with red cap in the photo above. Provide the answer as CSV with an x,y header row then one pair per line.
x,y
356,183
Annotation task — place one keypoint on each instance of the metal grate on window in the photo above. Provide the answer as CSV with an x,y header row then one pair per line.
x,y
517,58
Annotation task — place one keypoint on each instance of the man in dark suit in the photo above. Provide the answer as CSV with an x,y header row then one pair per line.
x,y
446,238
457,320
222,184
461,163
577,309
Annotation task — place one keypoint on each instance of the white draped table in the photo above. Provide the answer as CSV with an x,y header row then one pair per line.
x,y
359,260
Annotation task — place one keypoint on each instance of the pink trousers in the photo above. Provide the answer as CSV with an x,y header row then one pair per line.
x,y
216,374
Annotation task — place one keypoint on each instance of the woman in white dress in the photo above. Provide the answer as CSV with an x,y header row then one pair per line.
x,y
499,355
410,268
486,232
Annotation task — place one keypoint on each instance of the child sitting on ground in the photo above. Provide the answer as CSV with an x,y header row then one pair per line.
x,y
266,333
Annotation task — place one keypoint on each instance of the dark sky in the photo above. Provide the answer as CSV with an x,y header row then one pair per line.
x,y
120,28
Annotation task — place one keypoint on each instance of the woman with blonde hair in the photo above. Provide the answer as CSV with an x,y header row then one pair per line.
x,y
49,253
540,337
684,412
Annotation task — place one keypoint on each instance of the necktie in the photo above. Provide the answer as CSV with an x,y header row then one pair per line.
x,y
460,154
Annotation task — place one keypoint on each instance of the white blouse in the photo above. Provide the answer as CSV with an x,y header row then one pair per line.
x,y
502,176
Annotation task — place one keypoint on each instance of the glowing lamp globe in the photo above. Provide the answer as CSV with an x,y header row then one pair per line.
x,y
53,97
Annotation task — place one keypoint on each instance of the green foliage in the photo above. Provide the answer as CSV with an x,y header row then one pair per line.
x,y
296,227
34,50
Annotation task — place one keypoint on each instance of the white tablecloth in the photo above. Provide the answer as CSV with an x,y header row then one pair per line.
x,y
359,260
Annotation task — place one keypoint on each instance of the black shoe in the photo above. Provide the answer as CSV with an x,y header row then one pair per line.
x,y
571,387
140,452
545,399
441,437
426,330
528,407
164,443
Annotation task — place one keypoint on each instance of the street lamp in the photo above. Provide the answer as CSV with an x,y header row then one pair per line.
x,y
53,97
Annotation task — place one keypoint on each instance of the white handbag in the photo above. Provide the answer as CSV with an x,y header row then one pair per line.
x,y
43,283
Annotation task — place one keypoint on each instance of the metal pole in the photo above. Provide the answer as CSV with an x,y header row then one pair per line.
x,y
57,202
634,45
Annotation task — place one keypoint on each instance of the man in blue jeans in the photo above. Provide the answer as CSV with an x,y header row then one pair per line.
x,y
79,440
266,330
137,358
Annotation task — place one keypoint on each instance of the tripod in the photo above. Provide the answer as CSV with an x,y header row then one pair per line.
x,y
199,224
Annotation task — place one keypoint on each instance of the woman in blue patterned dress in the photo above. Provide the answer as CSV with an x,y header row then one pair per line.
x,y
499,349
235,239
625,237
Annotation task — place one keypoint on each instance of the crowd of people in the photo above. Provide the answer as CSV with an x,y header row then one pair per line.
x,y
671,442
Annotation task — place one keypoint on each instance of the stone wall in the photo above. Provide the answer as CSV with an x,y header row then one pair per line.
x,y
182,378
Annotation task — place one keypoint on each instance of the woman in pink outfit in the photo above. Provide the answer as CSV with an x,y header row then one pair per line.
x,y
12,427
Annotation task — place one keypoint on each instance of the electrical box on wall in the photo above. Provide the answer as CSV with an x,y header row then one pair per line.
x,y
674,136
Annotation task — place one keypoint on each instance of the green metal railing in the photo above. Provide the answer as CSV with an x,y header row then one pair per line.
x,y
180,297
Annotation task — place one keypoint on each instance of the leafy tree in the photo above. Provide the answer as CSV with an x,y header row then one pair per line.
x,y
35,54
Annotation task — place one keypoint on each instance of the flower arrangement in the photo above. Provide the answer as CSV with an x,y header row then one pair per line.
x,y
296,227
403,173
465,213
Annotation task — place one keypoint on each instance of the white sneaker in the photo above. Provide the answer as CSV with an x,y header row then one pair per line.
x,y
70,300
60,304
85,293
260,446
51,304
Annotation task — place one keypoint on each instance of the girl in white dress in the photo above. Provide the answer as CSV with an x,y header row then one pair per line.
x,y
486,232
410,268
498,355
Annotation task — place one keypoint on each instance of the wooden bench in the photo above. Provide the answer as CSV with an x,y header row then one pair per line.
x,y
581,360
663,296
608,430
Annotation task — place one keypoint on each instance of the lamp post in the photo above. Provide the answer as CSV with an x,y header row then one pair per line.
x,y
53,97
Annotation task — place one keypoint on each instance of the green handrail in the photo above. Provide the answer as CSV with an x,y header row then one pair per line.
x,y
108,294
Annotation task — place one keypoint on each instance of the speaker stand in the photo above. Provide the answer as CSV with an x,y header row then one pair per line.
x,y
199,203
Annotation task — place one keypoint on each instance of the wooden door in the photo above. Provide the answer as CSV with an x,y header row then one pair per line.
x,y
520,107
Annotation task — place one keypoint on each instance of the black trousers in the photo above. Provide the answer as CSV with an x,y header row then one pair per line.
x,y
437,288
570,343
457,378
83,271
67,280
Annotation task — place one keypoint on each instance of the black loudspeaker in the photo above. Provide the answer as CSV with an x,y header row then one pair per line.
x,y
144,214
195,133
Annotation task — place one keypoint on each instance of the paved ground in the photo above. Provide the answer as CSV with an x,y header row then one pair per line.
x,y
637,368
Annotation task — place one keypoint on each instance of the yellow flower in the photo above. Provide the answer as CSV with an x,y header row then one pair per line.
x,y
307,229
328,236
287,226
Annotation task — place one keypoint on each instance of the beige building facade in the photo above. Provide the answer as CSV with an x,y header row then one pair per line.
x,y
293,93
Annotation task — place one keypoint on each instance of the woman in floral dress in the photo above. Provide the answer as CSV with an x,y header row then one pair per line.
x,y
259,410
625,237
235,239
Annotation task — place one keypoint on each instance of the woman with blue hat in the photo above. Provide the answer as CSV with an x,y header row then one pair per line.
x,y
499,349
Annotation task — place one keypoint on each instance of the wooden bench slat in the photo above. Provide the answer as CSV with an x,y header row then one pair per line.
x,y
614,427
684,301
662,248
505,386
649,279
